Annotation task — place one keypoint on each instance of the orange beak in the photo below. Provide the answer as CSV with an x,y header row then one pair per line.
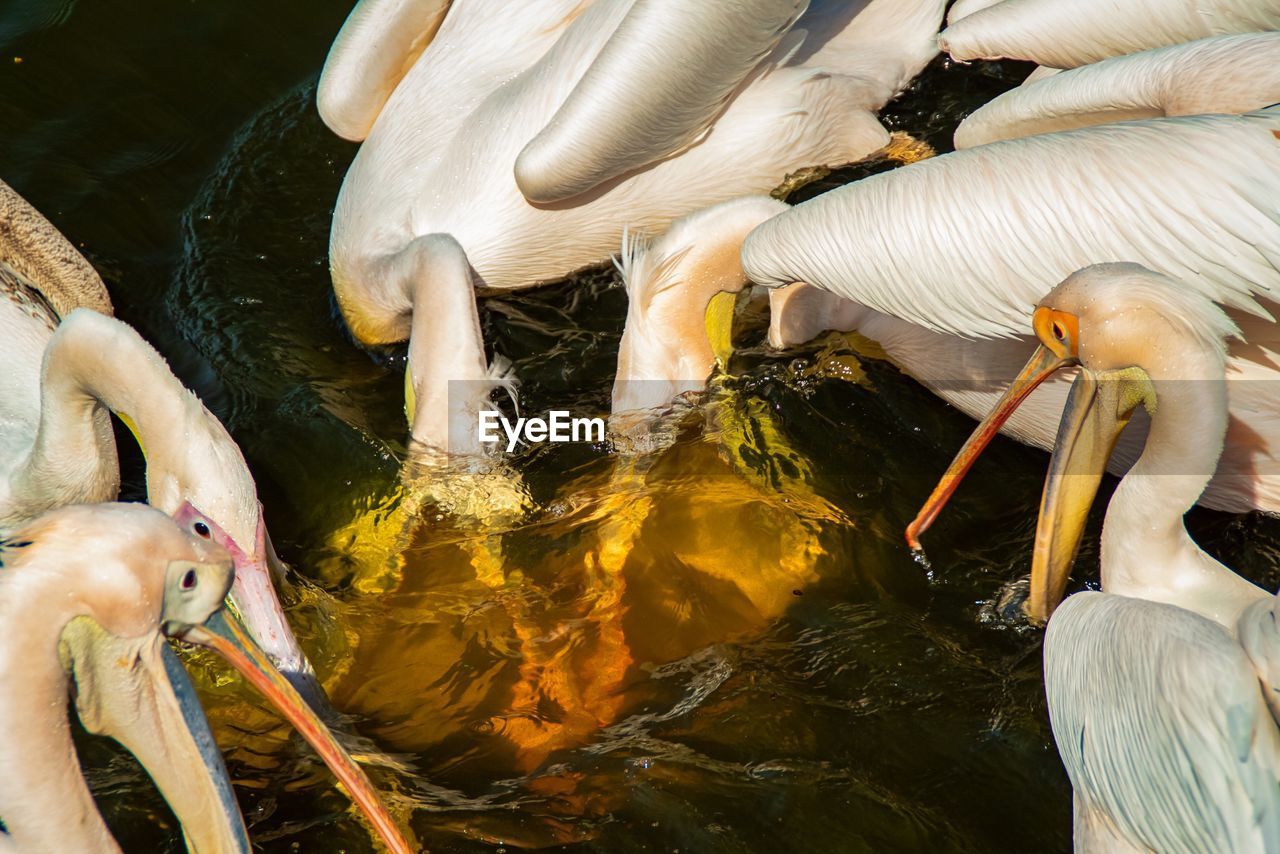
x,y
223,635
1042,365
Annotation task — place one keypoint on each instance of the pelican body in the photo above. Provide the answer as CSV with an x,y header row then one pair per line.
x,y
87,595
942,285
441,155
471,130
1161,687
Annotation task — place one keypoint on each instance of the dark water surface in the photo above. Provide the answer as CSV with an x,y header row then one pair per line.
x,y
729,651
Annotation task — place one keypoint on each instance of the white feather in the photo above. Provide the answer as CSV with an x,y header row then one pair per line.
x,y
1224,74
968,242
1066,35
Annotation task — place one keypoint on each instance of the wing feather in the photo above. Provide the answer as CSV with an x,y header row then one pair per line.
x,y
377,44
40,255
655,87
968,243
1161,726
1223,74
1067,35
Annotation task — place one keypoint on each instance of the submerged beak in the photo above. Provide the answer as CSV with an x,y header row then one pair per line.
x,y
719,324
1097,410
136,691
223,635
1042,365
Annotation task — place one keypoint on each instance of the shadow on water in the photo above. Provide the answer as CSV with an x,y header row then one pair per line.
x,y
724,646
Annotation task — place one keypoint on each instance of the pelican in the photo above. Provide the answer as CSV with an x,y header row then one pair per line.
x,y
441,155
87,595
1161,688
1068,35
942,285
1223,74
67,364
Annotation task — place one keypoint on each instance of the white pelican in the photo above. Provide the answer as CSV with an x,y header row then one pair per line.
x,y
1066,35
87,595
56,445
1223,74
1162,687
929,275
441,155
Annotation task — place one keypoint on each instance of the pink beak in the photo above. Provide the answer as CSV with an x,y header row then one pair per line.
x,y
254,598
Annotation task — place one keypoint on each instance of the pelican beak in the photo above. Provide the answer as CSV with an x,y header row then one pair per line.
x,y
1098,409
222,633
255,601
719,324
136,691
1042,365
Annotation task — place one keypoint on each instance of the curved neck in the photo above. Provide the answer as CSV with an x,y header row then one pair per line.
x,y
1146,550
94,361
449,378
44,802
665,349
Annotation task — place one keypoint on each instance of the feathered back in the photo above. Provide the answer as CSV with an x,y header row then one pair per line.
x,y
1070,34
968,243
672,72
37,252
1223,74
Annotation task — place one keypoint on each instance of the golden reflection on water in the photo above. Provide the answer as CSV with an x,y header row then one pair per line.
x,y
499,641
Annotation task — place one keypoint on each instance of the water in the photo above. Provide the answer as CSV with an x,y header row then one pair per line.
x,y
725,649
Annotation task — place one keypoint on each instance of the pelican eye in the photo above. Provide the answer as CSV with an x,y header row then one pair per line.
x,y
189,578
201,529
1059,331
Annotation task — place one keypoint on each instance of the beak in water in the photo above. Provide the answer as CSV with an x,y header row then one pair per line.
x,y
223,635
254,598
151,708
1097,411
719,324
1042,365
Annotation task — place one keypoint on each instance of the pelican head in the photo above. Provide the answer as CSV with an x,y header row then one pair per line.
x,y
681,292
106,579
108,582
1129,331
93,360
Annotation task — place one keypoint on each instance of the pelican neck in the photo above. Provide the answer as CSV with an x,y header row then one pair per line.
x,y
1146,550
44,801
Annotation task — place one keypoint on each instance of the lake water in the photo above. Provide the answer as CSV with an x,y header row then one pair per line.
x,y
723,648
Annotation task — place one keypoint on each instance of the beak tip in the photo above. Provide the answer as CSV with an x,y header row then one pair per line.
x,y
1037,613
